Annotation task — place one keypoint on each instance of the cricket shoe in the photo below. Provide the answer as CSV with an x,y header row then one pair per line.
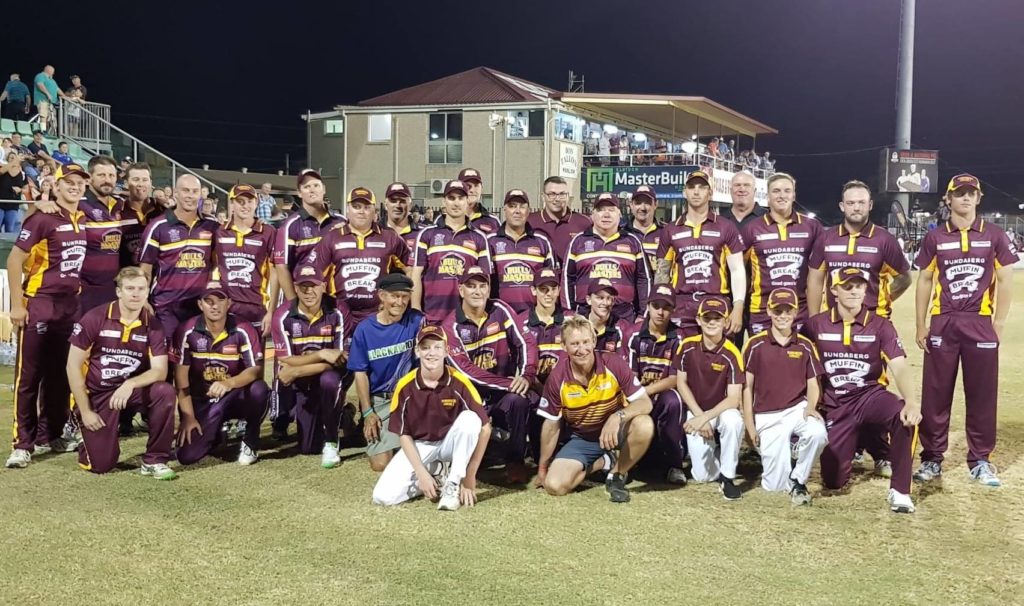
x,y
330,458
899,502
449,497
616,487
798,495
883,468
730,491
160,471
19,459
676,476
928,471
246,455
984,473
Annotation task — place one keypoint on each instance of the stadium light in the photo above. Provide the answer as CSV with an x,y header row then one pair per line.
x,y
812,215
689,147
639,137
611,129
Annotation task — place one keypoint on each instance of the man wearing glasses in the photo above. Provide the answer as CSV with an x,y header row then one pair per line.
x,y
556,220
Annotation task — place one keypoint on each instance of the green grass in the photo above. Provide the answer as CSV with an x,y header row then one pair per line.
x,y
286,531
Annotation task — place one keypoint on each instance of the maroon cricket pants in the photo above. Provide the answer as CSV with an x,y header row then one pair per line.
x,y
42,361
877,409
956,339
316,404
249,403
100,450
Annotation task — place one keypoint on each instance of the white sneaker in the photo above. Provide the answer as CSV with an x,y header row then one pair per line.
x,y
19,459
984,473
449,497
160,471
883,468
246,455
899,502
330,457
928,471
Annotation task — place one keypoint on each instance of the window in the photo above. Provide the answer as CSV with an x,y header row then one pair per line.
x,y
334,127
379,128
522,124
569,127
444,139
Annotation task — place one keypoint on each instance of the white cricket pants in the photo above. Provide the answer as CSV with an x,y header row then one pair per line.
x,y
708,460
775,430
397,484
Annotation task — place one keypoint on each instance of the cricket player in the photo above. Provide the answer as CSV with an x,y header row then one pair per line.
x,y
860,351
104,226
604,252
964,291
441,422
243,257
701,254
381,353
479,218
781,399
518,253
443,253
779,246
605,408
651,346
543,324
117,361
556,219
397,202
139,208
710,380
487,344
176,255
611,330
643,206
219,376
44,278
308,340
299,234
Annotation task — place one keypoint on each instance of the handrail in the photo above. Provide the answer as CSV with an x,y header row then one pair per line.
x,y
175,165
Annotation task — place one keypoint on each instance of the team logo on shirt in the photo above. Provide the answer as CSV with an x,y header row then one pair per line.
x,y
240,269
215,371
438,239
201,344
485,359
588,246
71,259
517,273
121,366
844,371
452,265
784,264
448,402
111,240
499,247
610,270
696,263
230,350
796,355
191,259
360,276
964,277
717,366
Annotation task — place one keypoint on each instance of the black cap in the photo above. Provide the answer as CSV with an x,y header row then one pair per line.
x,y
396,283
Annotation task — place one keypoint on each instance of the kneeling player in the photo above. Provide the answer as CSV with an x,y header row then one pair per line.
x,y
858,347
124,352
606,408
710,379
781,399
308,335
441,421
219,365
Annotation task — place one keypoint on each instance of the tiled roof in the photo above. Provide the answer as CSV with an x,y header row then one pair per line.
x,y
478,85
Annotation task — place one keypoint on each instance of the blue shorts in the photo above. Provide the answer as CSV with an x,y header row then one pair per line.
x,y
582,450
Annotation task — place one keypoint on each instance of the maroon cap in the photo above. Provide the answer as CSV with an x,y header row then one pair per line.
x,y
70,169
963,180
845,274
470,174
606,199
474,273
546,276
455,186
361,194
307,174
713,305
664,294
215,288
517,195
397,189
242,190
602,285
645,191
698,174
307,274
431,331
783,297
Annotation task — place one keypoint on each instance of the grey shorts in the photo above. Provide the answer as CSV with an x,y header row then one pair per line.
x,y
388,441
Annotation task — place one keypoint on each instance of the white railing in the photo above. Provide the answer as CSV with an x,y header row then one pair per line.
x,y
86,122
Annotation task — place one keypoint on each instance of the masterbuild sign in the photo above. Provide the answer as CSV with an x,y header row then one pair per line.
x,y
667,181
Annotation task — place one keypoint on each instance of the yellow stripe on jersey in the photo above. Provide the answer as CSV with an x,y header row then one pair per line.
x,y
183,244
498,336
461,378
604,254
36,264
755,285
405,380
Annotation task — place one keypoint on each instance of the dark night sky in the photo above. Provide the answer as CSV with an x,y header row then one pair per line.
x,y
225,83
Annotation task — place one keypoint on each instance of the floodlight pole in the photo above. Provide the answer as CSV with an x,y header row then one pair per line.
x,y
905,85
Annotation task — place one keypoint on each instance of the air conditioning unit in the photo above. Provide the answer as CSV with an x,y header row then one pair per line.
x,y
437,186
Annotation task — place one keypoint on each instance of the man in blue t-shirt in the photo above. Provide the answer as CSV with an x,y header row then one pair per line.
x,y
382,352
16,97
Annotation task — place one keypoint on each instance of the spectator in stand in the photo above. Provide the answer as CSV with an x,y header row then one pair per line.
x,y
13,185
210,204
45,95
38,148
723,151
265,203
16,95
77,87
73,111
18,147
732,152
769,165
713,149
61,156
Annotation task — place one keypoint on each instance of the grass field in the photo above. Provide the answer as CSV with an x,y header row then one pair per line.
x,y
287,532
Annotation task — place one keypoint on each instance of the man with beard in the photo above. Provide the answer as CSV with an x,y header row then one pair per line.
x,y
517,253
556,220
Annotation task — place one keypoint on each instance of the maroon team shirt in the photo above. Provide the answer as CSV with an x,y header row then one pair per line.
x,y
244,260
710,372
697,254
484,222
104,231
427,413
963,262
445,254
854,354
408,234
778,255
613,335
516,261
211,358
299,235
650,357
118,350
547,337
133,224
619,259
559,231
56,246
354,264
780,371
493,350
873,249
650,237
295,333
181,256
